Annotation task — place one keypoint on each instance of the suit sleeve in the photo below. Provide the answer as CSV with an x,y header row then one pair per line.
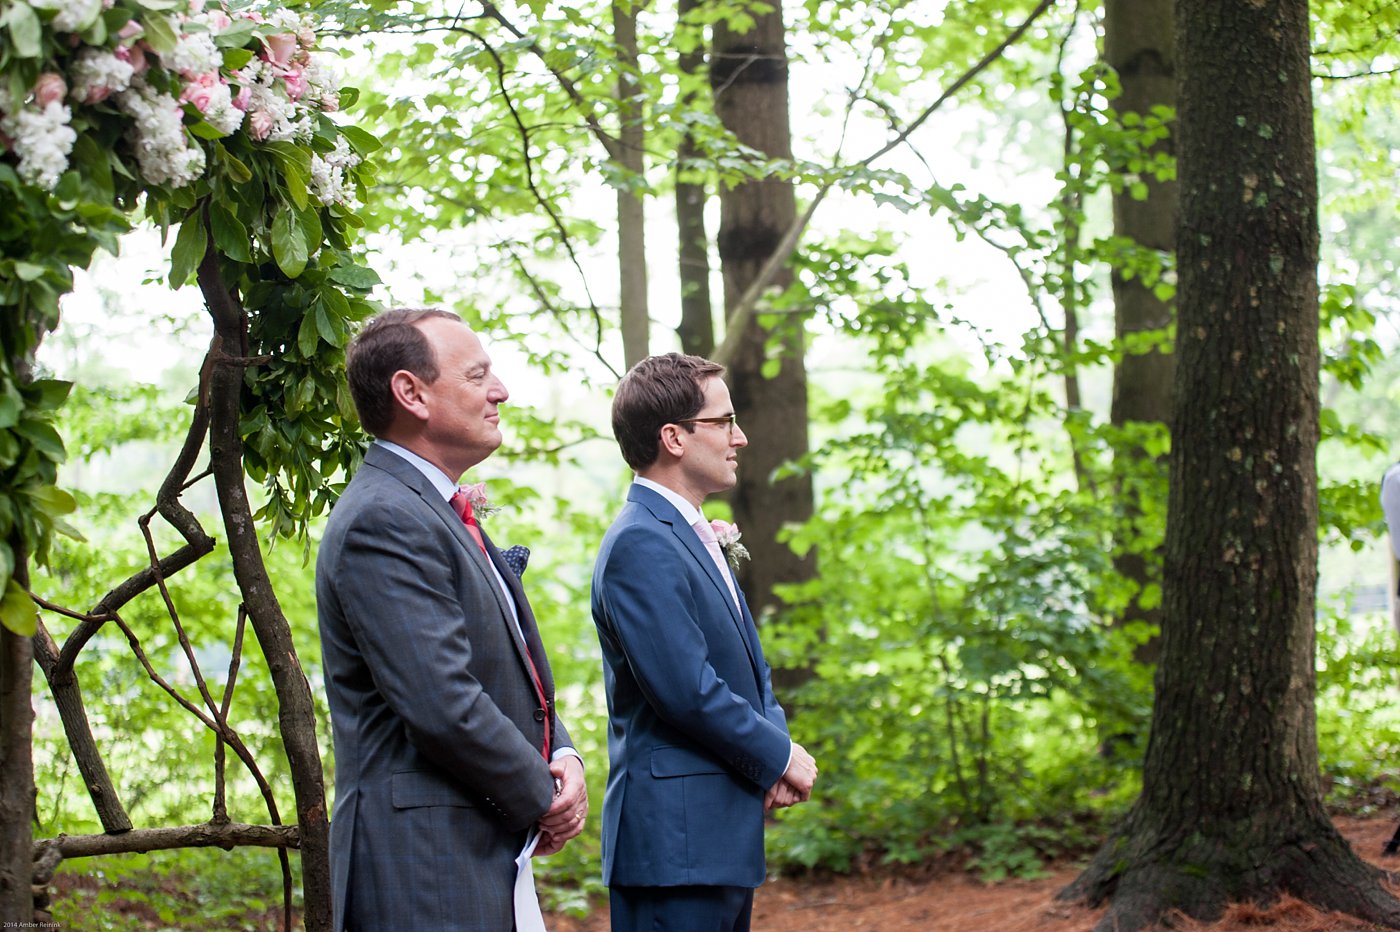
x,y
653,615
399,591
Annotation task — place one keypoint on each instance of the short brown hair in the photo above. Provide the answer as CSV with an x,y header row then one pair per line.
x,y
657,391
389,342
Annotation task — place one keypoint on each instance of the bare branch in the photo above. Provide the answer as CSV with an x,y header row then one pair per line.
x,y
744,309
210,835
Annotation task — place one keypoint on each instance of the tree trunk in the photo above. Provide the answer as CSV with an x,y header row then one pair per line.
x,y
697,326
749,75
1141,48
16,775
1231,806
631,215
296,712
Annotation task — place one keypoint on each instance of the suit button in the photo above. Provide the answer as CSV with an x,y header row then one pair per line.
x,y
539,715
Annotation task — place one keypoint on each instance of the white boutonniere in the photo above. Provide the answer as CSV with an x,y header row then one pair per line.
x,y
728,536
481,505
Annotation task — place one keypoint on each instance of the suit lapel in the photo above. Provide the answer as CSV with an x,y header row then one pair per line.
x,y
409,475
666,513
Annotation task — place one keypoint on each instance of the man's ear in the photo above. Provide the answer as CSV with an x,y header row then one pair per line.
x,y
672,440
407,390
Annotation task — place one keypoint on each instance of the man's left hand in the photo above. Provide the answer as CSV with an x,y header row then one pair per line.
x,y
567,813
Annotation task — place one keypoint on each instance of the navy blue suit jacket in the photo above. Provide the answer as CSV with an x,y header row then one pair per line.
x,y
696,737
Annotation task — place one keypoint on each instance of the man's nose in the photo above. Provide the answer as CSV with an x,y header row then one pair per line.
x,y
498,392
738,438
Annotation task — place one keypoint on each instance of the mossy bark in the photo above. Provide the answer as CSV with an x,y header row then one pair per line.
x,y
1231,808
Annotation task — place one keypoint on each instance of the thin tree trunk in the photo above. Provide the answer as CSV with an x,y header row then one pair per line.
x,y
1140,46
1231,807
296,712
697,326
631,215
749,75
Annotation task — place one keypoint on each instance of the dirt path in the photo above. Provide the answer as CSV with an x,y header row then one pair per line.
x,y
959,903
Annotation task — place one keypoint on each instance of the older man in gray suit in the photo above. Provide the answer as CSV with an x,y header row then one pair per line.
x,y
448,747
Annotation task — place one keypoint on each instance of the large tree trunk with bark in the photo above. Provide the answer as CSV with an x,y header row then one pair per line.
x,y
749,75
1231,806
1140,46
631,213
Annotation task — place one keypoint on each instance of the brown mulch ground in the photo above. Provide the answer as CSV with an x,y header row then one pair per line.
x,y
957,902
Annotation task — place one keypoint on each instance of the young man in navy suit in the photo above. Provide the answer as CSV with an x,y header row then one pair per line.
x,y
698,747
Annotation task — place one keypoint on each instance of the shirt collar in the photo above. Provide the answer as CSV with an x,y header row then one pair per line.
x,y
689,513
440,480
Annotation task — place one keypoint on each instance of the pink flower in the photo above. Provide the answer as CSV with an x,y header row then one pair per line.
x,y
253,16
50,89
279,49
135,56
476,494
196,6
296,82
219,20
132,28
200,91
241,99
260,123
330,101
728,537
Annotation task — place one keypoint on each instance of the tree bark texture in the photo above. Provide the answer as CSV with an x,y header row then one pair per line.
x,y
1231,807
1139,44
631,214
226,835
697,326
749,75
296,712
16,774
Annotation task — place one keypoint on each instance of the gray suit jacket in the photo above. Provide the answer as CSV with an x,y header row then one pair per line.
x,y
436,722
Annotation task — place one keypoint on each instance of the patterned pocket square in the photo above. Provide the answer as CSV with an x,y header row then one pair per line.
x,y
516,558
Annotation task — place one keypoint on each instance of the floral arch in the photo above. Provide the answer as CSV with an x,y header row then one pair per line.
x,y
215,124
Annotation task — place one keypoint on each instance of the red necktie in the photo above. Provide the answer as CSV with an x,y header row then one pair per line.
x,y
463,506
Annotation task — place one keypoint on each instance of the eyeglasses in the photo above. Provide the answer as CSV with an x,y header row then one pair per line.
x,y
728,421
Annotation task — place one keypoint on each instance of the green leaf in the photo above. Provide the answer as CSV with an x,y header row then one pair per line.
x,y
230,235
48,394
288,243
359,277
160,35
44,437
190,244
360,140
17,610
52,500
232,41
25,30
308,336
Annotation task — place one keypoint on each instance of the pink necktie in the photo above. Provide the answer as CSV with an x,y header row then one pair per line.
x,y
463,506
707,536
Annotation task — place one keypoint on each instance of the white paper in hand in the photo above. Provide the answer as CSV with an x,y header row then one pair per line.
x,y
528,917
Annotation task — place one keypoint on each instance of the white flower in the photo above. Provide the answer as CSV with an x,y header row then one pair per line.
x,y
162,148
76,15
193,55
42,139
97,74
328,178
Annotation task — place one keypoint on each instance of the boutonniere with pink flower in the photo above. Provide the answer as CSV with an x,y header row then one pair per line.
x,y
728,536
481,505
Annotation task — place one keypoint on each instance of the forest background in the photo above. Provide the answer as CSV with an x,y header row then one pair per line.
x,y
956,388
